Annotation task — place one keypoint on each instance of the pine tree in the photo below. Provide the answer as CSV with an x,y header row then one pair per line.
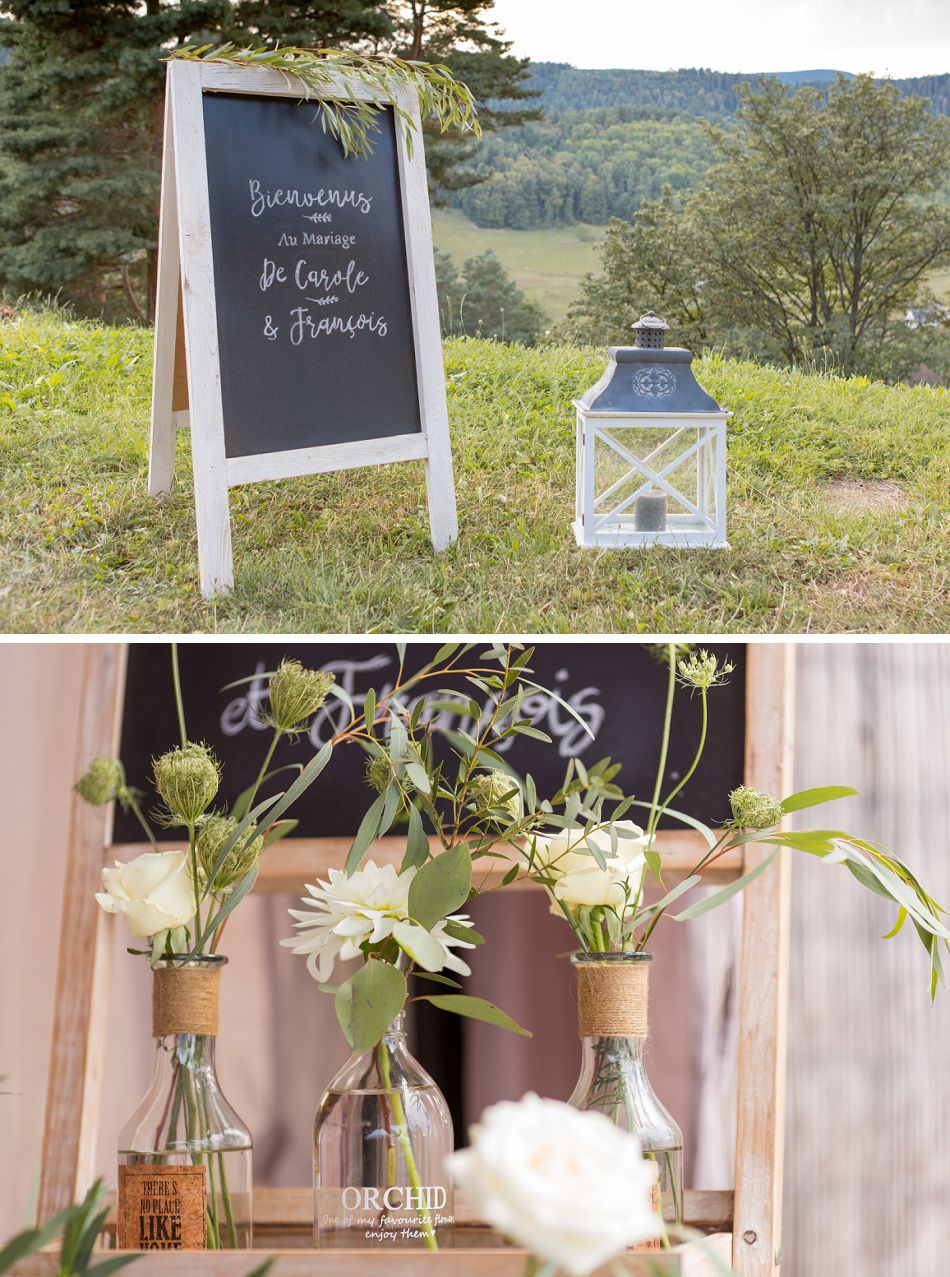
x,y
465,38
80,104
333,23
484,301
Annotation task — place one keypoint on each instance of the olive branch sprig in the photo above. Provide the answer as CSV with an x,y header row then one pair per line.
x,y
329,77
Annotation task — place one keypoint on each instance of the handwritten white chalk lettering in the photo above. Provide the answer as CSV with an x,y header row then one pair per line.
x,y
332,239
304,325
248,710
306,279
292,197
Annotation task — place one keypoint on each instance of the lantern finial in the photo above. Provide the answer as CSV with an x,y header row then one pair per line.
x,y
649,330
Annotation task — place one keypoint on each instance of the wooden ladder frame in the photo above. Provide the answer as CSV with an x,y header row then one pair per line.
x,y
82,995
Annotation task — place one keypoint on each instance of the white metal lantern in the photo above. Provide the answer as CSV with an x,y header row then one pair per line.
x,y
651,450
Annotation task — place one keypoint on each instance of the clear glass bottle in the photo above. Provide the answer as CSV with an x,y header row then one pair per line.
x,y
612,1006
184,1154
381,1135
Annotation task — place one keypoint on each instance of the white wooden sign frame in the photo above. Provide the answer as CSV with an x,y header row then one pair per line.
x,y
187,373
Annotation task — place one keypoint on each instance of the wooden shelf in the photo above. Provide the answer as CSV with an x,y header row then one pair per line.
x,y
683,1261
287,865
282,1228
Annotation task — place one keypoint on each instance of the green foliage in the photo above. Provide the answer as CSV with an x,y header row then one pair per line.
x,y
80,1226
584,166
441,886
369,1001
476,1009
822,268
484,301
83,548
80,145
696,91
353,123
80,100
462,35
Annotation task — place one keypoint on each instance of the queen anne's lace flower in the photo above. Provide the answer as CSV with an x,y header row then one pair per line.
x,y
364,908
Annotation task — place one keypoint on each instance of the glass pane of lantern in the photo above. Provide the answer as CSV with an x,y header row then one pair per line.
x,y
625,457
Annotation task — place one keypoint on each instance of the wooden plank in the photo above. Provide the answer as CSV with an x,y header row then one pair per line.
x,y
215,562
763,979
683,1261
82,983
224,77
333,456
868,1097
426,329
293,861
291,1209
163,435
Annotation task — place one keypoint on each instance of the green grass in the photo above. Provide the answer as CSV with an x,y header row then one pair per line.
x,y
547,264
83,547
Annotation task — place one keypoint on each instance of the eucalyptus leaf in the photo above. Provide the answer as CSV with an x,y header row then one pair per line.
x,y
436,978
417,774
417,844
815,797
368,1002
720,897
231,902
441,886
475,1009
369,828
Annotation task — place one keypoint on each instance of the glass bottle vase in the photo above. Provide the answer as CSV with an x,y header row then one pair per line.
x,y
381,1135
184,1154
612,1017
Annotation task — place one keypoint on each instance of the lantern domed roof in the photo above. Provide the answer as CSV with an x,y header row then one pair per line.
x,y
649,377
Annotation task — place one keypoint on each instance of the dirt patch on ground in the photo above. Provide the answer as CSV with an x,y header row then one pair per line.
x,y
871,496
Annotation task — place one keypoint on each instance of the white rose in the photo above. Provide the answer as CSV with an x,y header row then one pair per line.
x,y
569,1186
551,851
154,892
580,880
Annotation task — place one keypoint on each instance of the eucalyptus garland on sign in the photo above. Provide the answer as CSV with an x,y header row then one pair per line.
x,y
324,75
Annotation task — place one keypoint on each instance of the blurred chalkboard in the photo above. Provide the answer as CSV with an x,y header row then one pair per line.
x,y
618,688
311,279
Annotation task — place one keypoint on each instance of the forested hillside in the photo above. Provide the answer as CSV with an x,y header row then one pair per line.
x,y
612,139
694,90
584,166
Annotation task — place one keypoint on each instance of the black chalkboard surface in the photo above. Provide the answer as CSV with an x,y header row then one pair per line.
x,y
311,279
618,688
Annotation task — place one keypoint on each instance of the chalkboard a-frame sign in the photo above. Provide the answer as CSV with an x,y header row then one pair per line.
x,y
297,325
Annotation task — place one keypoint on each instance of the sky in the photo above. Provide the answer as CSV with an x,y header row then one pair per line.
x,y
911,37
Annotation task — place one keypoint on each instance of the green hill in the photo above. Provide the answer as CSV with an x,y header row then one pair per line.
x,y
838,514
611,139
695,90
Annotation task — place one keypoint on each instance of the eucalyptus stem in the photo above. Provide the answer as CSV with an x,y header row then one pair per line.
x,y
226,1197
401,1128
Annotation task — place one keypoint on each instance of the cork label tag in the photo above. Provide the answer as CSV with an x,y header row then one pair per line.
x,y
162,1208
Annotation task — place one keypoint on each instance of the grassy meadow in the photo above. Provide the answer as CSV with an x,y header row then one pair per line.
x,y
547,264
838,510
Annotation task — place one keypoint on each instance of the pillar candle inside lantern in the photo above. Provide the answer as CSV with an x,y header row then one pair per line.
x,y
649,513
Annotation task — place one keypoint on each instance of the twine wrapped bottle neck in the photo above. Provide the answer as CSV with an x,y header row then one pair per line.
x,y
185,1000
612,998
